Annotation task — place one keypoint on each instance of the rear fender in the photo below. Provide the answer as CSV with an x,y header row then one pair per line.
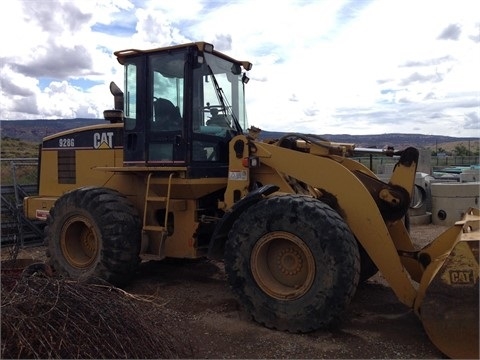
x,y
219,236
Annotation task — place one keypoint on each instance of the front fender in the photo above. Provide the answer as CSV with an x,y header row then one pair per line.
x,y
220,234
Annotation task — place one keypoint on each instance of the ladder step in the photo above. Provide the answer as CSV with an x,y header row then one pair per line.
x,y
156,198
154,228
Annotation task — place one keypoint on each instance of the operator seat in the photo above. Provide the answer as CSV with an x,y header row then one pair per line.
x,y
167,116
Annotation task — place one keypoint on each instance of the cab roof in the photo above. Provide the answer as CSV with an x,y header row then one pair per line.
x,y
200,45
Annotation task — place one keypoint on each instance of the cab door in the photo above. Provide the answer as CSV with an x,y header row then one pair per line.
x,y
166,127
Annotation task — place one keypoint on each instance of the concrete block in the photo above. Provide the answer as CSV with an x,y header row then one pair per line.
x,y
471,175
424,219
421,194
451,200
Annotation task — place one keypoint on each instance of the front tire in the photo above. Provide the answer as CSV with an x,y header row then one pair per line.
x,y
94,232
292,262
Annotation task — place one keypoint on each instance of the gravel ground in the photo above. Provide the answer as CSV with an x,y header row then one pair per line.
x,y
376,325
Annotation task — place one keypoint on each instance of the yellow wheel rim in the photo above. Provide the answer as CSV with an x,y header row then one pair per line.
x,y
283,265
79,242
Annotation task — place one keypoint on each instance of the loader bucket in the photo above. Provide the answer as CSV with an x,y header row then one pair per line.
x,y
449,309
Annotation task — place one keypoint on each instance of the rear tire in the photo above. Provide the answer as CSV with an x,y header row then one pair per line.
x,y
94,232
292,262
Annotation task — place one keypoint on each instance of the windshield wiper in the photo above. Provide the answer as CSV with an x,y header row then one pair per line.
x,y
224,102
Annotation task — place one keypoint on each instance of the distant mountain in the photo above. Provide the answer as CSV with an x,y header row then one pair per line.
x,y
35,130
398,141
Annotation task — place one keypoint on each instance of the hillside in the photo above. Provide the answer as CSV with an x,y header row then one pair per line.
x,y
34,130
15,148
398,141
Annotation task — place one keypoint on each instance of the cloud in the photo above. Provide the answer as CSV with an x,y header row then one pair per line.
x,y
320,66
154,26
26,105
61,100
55,16
428,62
57,62
451,32
472,120
293,98
311,111
15,84
476,37
420,78
223,42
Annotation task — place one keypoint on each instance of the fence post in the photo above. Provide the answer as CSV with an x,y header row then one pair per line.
x,y
17,202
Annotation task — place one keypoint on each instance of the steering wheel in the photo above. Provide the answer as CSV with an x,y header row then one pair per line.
x,y
218,116
209,108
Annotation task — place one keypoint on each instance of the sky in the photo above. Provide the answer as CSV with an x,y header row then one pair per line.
x,y
319,66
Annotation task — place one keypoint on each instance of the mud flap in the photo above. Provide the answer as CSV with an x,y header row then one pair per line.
x,y
449,310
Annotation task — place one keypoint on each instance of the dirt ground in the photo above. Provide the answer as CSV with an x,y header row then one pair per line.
x,y
376,324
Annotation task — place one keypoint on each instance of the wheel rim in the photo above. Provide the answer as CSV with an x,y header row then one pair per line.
x,y
283,266
79,242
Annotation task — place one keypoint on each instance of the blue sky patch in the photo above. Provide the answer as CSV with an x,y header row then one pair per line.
x,y
122,30
80,83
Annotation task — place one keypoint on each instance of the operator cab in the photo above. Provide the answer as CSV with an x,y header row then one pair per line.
x,y
181,106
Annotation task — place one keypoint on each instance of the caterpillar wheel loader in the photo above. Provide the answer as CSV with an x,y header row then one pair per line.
x,y
176,173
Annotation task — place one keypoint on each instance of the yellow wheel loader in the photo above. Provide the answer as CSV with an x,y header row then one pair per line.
x,y
298,223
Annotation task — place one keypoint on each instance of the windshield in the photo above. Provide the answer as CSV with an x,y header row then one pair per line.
x,y
223,93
